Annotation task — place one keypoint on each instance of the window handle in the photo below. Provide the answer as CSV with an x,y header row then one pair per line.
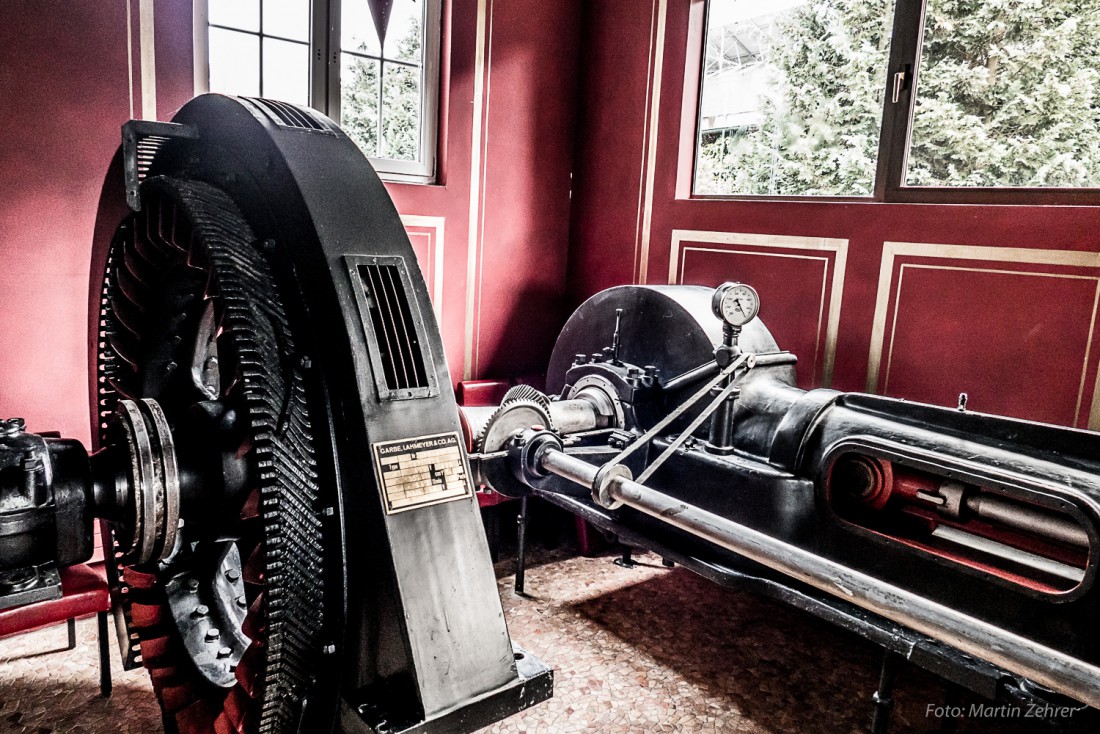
x,y
900,83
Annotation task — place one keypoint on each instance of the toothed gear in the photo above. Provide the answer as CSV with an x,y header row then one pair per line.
x,y
511,417
187,252
526,392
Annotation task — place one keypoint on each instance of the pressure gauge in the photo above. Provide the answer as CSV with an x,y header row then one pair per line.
x,y
736,303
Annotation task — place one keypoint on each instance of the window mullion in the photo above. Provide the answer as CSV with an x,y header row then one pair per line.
x,y
332,57
261,48
318,68
897,114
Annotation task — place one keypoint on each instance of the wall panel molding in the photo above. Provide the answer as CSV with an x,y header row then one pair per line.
x,y
482,46
831,253
649,141
431,229
1079,270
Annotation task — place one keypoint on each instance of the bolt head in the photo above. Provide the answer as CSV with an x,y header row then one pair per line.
x,y
201,610
193,584
328,649
233,575
213,634
242,602
11,426
224,652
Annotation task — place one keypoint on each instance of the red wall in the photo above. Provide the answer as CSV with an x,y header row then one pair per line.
x,y
565,123
996,301
63,94
65,88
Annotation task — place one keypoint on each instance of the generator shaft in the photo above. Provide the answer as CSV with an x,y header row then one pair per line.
x,y
1027,658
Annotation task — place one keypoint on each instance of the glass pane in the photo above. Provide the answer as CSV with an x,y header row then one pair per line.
x,y
243,14
286,71
792,97
359,88
287,18
234,63
401,113
1006,96
404,36
357,31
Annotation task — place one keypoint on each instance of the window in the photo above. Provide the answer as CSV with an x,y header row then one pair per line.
x,y
941,100
791,100
1007,95
373,68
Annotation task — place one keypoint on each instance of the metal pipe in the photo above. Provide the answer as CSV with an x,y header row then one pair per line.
x,y
568,467
1039,663
692,376
1044,524
1009,553
521,545
575,416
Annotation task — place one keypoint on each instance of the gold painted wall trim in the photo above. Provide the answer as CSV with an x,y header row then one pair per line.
x,y
650,139
839,248
893,250
473,245
148,53
435,251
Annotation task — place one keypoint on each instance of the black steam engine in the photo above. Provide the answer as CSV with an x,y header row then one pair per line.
x,y
285,483
963,542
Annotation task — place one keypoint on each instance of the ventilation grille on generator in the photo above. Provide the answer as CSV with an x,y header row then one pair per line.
x,y
288,115
402,355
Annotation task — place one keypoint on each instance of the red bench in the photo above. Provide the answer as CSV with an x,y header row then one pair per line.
x,y
84,591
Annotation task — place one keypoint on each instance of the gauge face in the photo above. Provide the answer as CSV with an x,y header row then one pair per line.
x,y
736,303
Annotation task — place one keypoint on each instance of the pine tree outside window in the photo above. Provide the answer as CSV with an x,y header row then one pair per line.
x,y
371,65
792,97
940,100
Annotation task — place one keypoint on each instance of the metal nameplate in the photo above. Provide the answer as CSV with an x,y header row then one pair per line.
x,y
422,471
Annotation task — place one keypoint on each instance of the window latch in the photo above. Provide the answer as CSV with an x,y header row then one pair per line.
x,y
901,83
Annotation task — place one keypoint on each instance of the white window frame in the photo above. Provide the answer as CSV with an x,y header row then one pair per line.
x,y
324,92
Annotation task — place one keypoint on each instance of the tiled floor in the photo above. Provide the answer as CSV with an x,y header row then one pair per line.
x,y
634,650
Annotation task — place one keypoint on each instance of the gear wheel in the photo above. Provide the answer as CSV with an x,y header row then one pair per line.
x,y
523,406
526,392
228,628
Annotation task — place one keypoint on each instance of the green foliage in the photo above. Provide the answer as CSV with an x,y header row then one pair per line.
x,y
1007,97
1007,94
822,111
399,120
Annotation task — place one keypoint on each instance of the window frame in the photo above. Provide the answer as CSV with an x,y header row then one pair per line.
x,y
324,79
906,37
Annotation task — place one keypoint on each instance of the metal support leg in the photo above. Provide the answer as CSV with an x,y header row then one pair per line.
x,y
949,723
884,696
72,633
521,544
104,656
625,559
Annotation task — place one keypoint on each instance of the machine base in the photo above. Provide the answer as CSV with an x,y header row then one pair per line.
x,y
41,583
534,684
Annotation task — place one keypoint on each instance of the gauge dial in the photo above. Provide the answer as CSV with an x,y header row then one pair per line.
x,y
736,303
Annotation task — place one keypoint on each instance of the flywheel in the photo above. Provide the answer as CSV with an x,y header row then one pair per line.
x,y
230,616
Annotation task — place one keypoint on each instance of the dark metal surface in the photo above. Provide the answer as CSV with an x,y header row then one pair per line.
x,y
533,684
1039,484
1055,669
313,205
288,509
45,512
